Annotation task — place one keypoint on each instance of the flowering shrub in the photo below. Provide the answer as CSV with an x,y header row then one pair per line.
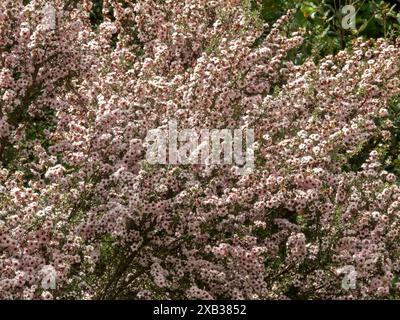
x,y
78,198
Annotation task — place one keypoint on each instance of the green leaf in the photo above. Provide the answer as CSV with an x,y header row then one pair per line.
x,y
308,9
363,26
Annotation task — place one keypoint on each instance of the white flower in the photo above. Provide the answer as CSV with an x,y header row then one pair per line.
x,y
306,159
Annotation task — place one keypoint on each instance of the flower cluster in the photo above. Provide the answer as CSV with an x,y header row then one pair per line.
x,y
78,197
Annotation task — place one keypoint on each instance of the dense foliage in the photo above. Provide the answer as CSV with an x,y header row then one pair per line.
x,y
77,195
